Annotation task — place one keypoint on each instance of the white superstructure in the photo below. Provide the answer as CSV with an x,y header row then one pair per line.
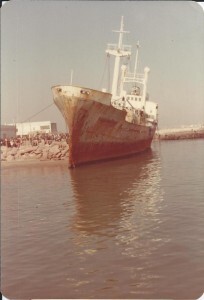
x,y
130,91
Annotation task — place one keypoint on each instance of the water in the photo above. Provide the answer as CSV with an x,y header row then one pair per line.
x,y
130,228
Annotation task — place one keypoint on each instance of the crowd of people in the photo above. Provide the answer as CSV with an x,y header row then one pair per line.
x,y
34,140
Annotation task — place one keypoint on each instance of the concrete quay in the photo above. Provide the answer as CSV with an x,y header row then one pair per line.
x,y
190,132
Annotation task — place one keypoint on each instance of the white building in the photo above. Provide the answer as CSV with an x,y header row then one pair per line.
x,y
36,127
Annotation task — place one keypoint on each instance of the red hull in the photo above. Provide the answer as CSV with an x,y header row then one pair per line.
x,y
91,153
98,131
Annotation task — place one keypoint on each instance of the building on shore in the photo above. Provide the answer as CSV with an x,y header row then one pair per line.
x,y
29,128
8,131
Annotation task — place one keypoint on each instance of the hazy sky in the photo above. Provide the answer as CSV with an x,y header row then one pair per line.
x,y
41,41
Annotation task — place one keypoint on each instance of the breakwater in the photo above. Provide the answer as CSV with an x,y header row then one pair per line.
x,y
57,150
191,132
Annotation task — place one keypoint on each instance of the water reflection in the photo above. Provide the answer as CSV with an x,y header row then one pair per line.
x,y
104,229
119,198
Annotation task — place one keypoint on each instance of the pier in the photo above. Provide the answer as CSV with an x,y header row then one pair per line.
x,y
187,132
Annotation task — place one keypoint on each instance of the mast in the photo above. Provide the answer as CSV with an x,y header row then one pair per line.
x,y
71,79
136,59
118,50
117,61
146,72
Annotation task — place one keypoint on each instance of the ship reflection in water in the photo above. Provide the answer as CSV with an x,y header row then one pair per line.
x,y
119,200
123,229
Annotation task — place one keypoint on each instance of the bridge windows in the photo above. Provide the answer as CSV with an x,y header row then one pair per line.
x,y
133,98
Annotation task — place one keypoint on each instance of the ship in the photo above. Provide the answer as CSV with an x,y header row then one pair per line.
x,y
105,125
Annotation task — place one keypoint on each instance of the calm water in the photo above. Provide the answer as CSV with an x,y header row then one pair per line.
x,y
130,228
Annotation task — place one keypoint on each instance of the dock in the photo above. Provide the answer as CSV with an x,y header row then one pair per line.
x,y
185,132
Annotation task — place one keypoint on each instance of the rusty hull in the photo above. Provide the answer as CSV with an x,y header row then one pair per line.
x,y
98,131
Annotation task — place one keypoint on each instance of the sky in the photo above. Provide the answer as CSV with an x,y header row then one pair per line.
x,y
42,41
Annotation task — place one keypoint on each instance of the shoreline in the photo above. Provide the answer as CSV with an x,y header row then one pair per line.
x,y
55,151
33,162
58,152
29,162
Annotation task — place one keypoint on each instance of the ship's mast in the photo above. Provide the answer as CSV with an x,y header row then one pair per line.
x,y
118,51
144,94
136,59
71,79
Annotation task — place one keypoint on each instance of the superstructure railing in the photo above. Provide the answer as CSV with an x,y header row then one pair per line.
x,y
131,77
115,47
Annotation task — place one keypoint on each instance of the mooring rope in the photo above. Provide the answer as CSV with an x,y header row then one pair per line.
x,y
102,78
37,113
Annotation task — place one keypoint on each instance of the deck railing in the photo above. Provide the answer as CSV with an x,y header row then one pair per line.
x,y
131,77
115,47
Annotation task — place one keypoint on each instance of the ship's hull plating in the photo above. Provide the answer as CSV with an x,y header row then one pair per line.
x,y
97,130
